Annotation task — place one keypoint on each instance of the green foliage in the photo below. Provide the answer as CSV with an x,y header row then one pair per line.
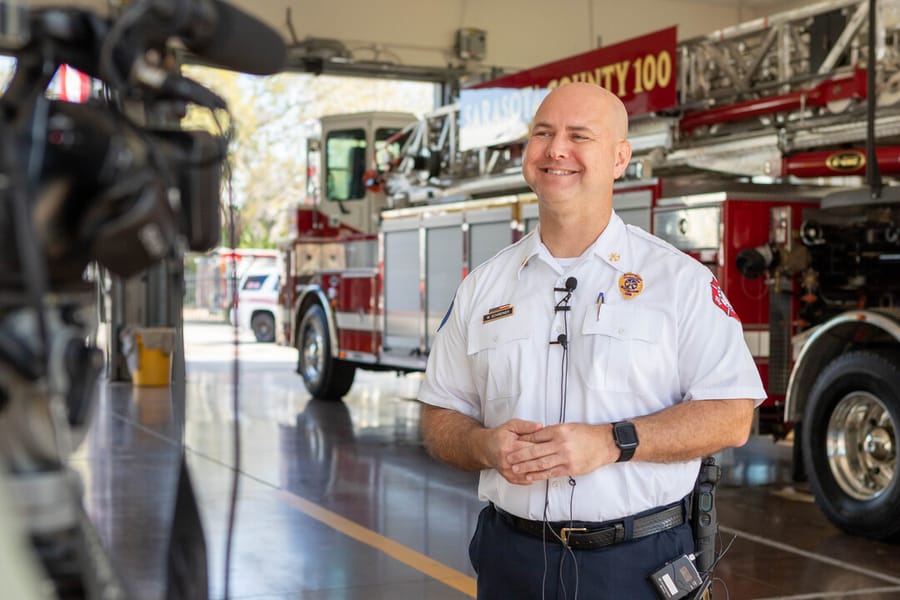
x,y
272,119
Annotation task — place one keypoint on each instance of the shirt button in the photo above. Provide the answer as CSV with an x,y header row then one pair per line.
x,y
621,331
556,484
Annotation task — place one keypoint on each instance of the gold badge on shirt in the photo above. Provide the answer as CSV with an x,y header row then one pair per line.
x,y
498,312
630,285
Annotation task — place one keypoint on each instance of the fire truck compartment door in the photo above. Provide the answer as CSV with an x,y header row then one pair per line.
x,y
444,239
689,228
529,212
634,207
490,231
403,323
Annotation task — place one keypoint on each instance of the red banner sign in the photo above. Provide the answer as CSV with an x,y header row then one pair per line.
x,y
641,71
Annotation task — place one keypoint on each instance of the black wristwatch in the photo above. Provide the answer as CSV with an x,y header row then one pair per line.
x,y
626,439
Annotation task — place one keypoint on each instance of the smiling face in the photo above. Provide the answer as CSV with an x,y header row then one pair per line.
x,y
577,147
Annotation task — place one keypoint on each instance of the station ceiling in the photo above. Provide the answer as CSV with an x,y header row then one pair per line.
x,y
401,39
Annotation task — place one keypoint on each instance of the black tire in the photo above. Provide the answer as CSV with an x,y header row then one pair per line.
x,y
798,468
323,375
850,443
263,326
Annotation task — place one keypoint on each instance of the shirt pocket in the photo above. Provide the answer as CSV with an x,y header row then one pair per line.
x,y
497,351
623,342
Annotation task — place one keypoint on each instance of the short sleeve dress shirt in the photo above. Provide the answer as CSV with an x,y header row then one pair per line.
x,y
648,327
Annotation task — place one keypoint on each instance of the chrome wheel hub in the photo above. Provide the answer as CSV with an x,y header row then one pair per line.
x,y
312,351
861,445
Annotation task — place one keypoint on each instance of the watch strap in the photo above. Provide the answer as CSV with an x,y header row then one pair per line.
x,y
625,454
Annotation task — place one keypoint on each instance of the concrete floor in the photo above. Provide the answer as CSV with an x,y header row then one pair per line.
x,y
337,500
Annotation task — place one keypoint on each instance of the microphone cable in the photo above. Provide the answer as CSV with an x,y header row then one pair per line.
x,y
235,395
563,341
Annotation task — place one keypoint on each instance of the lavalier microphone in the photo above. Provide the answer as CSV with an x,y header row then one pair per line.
x,y
562,340
563,305
571,284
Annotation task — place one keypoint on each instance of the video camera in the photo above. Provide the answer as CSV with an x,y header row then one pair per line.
x,y
100,186
94,183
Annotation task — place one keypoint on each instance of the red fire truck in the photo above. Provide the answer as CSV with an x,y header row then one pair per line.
x,y
750,148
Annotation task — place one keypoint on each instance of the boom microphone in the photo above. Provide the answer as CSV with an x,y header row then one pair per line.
x,y
230,40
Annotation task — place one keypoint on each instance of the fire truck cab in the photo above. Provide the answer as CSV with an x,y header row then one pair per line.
x,y
748,155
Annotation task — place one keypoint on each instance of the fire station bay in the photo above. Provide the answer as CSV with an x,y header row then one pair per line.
x,y
240,361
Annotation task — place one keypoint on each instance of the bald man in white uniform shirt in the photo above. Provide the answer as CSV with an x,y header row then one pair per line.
x,y
585,371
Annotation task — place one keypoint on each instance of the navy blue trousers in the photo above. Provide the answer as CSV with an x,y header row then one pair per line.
x,y
512,565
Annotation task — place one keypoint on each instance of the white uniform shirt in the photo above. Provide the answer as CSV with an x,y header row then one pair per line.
x,y
676,340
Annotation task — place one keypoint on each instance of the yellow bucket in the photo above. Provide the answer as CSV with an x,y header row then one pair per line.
x,y
154,364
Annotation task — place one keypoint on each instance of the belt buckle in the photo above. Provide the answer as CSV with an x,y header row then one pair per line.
x,y
564,533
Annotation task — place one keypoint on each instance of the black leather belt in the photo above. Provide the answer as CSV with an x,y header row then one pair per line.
x,y
588,536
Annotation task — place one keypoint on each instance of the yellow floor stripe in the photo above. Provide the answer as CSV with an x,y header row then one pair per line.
x,y
420,562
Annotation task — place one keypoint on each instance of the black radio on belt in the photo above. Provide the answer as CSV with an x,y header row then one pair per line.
x,y
691,574
704,521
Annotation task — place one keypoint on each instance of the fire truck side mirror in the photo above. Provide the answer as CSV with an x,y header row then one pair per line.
x,y
373,180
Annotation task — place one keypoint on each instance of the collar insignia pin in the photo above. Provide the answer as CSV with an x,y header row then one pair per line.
x,y
614,257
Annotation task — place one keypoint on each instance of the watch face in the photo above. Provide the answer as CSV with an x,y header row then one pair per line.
x,y
625,434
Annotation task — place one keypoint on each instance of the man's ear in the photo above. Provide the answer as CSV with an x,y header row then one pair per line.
x,y
623,155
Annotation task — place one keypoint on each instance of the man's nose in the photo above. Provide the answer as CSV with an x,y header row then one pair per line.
x,y
557,148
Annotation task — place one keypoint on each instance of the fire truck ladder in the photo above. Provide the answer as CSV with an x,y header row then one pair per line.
x,y
794,81
433,168
748,95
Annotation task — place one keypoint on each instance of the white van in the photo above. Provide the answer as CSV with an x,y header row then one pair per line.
x,y
257,302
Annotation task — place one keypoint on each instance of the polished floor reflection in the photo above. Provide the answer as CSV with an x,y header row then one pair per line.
x,y
337,500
